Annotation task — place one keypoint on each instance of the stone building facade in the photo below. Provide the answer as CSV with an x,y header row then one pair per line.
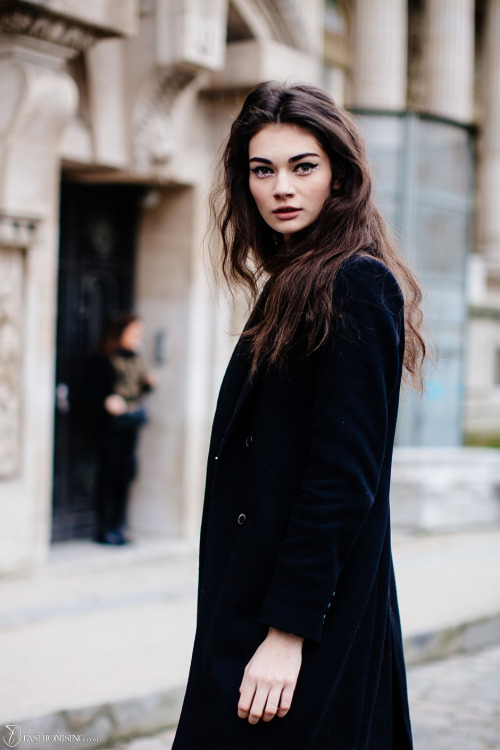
x,y
112,115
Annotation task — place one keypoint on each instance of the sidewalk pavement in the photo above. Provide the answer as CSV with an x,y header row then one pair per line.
x,y
97,643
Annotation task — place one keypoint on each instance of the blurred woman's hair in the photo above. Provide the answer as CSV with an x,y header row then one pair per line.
x,y
111,340
300,277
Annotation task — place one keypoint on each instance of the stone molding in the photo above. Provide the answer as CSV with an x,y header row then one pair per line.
x,y
17,231
252,61
284,21
35,23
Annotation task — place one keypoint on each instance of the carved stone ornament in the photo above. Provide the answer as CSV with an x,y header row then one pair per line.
x,y
36,23
153,140
17,231
11,315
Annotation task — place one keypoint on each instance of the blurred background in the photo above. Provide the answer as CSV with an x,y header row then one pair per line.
x,y
112,116
112,113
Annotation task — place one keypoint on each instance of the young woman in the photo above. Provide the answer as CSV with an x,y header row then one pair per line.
x,y
118,384
298,643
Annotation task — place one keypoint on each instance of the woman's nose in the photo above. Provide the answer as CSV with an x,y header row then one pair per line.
x,y
283,185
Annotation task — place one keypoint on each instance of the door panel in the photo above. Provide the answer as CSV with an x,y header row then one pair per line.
x,y
96,273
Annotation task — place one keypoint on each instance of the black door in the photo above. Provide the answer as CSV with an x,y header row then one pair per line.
x,y
96,272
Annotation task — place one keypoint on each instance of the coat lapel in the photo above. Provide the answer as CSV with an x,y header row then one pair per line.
x,y
237,384
243,397
236,389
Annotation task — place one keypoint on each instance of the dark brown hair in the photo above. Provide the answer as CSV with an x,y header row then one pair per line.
x,y
111,339
300,278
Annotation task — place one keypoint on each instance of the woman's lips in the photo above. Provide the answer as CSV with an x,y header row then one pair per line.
x,y
287,212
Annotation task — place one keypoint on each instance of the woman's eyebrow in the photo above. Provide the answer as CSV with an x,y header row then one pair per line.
x,y
261,158
291,160
301,156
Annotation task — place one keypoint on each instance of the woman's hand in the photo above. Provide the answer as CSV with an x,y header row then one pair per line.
x,y
151,379
115,405
270,677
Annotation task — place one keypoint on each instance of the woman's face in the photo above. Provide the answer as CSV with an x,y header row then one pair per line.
x,y
290,177
131,337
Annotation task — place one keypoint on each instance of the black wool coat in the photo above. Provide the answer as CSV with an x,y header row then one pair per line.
x,y
296,535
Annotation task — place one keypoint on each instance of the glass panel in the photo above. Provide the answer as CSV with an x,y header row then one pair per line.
x,y
442,239
423,172
443,158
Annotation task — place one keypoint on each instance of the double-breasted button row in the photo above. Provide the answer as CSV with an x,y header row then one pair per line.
x,y
241,519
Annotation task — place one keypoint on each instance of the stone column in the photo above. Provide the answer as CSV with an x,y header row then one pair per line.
x,y
448,59
380,32
489,165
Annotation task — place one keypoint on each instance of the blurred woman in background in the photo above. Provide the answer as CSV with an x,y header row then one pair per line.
x,y
119,384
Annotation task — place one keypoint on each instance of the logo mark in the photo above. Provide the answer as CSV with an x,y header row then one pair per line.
x,y
12,735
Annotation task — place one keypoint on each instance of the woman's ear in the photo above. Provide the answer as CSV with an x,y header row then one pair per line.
x,y
336,185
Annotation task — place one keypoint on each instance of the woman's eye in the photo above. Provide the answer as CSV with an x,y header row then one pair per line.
x,y
305,168
262,171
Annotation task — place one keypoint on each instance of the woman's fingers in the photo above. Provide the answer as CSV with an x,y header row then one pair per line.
x,y
285,701
260,702
247,692
265,703
270,677
272,703
253,697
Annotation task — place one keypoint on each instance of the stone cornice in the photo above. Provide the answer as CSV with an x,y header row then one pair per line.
x,y
39,24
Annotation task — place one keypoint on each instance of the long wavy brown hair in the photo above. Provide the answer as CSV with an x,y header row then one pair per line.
x,y
300,277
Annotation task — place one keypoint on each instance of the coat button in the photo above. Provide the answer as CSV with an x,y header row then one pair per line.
x,y
248,441
241,519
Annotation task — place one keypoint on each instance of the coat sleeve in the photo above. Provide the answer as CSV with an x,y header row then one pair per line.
x,y
359,369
